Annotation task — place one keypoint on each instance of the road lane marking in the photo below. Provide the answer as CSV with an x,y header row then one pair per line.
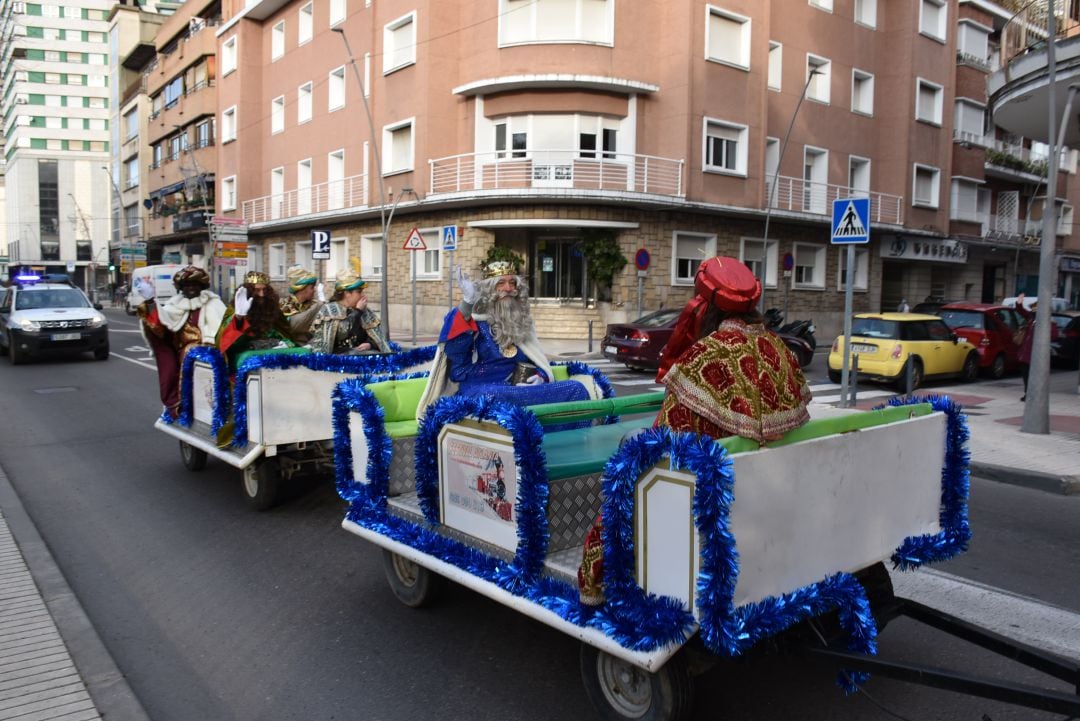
x,y
136,362
1021,618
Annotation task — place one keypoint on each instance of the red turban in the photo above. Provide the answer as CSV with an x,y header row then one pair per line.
x,y
723,282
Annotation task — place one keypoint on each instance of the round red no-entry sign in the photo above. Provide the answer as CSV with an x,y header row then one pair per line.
x,y
641,259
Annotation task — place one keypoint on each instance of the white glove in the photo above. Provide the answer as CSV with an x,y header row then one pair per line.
x,y
534,380
320,293
144,288
241,303
469,293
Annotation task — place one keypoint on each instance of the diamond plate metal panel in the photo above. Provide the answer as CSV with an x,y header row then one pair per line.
x,y
573,504
402,470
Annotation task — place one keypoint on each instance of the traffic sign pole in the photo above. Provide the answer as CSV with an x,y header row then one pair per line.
x,y
850,225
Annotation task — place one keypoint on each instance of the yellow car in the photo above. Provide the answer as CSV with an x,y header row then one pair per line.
x,y
887,342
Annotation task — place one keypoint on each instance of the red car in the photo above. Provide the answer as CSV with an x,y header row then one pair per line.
x,y
638,343
992,329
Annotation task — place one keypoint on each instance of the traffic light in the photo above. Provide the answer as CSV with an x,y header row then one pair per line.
x,y
111,267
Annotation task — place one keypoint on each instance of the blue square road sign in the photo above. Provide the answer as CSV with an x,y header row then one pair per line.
x,y
851,221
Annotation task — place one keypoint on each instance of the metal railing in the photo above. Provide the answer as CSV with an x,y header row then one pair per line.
x,y
1028,28
557,169
348,192
796,194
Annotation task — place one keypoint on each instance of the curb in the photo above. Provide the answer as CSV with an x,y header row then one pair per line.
x,y
1047,482
107,686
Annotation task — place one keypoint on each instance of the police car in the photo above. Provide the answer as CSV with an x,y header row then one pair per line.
x,y
47,314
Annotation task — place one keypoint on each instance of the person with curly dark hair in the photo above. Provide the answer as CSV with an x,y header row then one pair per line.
x,y
254,321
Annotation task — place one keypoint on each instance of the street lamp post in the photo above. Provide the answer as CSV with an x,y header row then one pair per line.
x,y
771,194
384,295
118,206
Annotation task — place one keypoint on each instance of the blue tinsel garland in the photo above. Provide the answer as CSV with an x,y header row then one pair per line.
x,y
351,396
367,366
955,488
211,356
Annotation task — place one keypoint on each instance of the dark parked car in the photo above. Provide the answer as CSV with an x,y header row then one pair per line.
x,y
638,343
993,329
1065,348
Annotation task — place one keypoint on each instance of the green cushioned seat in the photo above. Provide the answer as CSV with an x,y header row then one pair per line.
x,y
586,450
270,351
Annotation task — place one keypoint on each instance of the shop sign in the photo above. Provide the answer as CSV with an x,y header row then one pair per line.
x,y
907,248
1070,265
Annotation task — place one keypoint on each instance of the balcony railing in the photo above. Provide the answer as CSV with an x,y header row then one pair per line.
x,y
1027,29
348,192
557,170
802,196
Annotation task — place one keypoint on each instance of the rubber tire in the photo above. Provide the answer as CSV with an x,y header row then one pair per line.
x,y
916,376
262,483
16,356
970,372
3,349
834,376
412,584
806,358
194,459
997,368
669,691
101,353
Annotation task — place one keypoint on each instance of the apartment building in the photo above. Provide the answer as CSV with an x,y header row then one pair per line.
x,y
54,107
554,127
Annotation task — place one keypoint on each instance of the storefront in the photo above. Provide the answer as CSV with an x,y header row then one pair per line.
x,y
1069,281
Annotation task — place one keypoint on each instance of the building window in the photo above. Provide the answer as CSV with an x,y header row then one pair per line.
x,y
688,251
815,180
371,257
518,142
277,193
339,257
303,186
727,37
131,124
933,15
428,262
924,190
277,114
337,12
822,4
861,281
254,258
228,193
399,43
776,62
277,261
204,134
862,92
964,200
367,75
335,180
304,24
1065,220
556,21
928,99
131,172
969,121
819,73
174,90
302,254
228,124
587,143
398,147
858,176
725,147
277,41
972,41
228,56
336,89
866,13
809,266
755,254
303,103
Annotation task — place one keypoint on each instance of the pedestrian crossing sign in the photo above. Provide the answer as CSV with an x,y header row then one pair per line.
x,y
851,220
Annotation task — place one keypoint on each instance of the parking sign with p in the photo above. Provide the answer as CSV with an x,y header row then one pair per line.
x,y
320,244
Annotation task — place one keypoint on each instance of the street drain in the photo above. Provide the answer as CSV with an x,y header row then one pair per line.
x,y
58,389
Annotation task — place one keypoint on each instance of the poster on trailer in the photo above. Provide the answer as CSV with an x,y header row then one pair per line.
x,y
478,484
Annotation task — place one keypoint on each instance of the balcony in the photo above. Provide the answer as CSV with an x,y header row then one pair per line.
x,y
802,196
348,192
542,172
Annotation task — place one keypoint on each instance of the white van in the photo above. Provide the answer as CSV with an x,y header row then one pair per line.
x,y
160,275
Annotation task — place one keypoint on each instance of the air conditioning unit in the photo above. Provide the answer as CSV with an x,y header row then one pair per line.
x,y
18,7
20,101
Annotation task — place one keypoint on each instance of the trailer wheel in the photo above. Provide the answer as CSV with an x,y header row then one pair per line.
x,y
194,459
620,691
262,481
414,585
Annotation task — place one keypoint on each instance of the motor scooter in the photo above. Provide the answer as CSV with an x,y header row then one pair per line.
x,y
797,335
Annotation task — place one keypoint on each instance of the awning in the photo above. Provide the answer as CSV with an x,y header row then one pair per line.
x,y
167,190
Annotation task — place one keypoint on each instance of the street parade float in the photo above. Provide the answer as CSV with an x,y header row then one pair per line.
x,y
709,547
272,418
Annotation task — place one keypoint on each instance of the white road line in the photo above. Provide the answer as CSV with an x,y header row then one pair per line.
x,y
1021,618
637,382
136,362
824,387
123,330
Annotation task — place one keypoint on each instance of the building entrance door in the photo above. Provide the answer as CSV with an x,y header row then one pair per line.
x,y
557,268
993,284
892,287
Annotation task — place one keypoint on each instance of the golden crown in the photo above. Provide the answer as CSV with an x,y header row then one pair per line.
x,y
255,277
499,268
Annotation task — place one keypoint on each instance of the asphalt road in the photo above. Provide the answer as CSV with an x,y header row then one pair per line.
x,y
215,612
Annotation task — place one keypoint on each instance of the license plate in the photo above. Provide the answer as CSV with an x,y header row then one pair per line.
x,y
863,348
66,336
610,349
